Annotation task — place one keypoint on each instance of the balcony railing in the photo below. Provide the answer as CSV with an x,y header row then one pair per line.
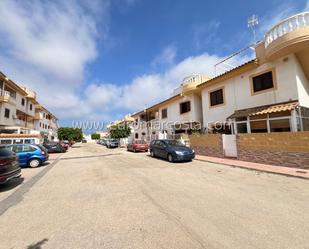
x,y
286,26
4,93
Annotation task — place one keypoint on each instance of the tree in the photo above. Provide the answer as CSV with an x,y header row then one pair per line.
x,y
120,131
69,133
95,136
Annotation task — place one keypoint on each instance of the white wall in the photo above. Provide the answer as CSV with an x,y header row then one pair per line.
x,y
302,85
173,110
238,93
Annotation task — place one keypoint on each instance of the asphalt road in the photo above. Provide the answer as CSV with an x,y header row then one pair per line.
x,y
93,197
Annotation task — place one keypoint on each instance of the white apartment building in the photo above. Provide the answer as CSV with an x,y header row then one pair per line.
x,y
45,122
20,113
178,114
267,94
17,107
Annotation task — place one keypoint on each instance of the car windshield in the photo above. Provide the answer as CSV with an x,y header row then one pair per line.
x,y
174,143
114,140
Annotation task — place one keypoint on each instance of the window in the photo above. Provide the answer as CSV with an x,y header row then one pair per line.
x,y
22,102
7,113
242,127
279,125
259,126
185,107
30,107
216,97
28,148
263,82
6,141
29,141
136,135
164,113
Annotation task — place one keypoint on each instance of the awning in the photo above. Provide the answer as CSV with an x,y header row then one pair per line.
x,y
287,106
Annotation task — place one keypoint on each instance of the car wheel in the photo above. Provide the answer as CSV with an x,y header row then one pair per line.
x,y
33,163
170,158
152,153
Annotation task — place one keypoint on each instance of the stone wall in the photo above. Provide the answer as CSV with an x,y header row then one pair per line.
x,y
207,144
289,149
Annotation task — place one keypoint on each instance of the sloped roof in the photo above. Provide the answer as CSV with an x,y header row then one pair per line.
x,y
287,106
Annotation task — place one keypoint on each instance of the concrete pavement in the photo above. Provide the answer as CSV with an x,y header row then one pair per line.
x,y
94,197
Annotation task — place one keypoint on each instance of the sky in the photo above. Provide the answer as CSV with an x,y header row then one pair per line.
x,y
102,59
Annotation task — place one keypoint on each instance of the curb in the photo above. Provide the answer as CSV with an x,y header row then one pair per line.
x,y
259,170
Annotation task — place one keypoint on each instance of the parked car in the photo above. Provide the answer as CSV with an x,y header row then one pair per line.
x,y
137,145
29,154
172,150
84,141
9,166
53,147
112,143
64,146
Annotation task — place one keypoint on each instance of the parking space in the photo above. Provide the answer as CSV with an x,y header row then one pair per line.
x,y
27,174
95,197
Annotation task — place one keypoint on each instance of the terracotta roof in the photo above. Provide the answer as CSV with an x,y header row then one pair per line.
x,y
19,135
287,106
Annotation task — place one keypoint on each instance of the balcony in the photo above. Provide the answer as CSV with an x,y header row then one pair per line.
x,y
289,36
190,83
38,116
4,96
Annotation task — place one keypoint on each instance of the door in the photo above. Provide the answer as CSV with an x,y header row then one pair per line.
x,y
229,145
23,157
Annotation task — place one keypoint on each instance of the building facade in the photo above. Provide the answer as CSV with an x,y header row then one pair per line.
x,y
20,112
269,93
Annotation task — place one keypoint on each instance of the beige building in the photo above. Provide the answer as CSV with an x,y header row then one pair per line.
x,y
20,112
45,122
269,93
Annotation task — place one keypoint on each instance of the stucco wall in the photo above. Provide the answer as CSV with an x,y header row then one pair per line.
x,y
238,93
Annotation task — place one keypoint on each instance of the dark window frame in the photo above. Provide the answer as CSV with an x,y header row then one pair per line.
x,y
23,102
164,111
7,113
216,100
263,82
182,105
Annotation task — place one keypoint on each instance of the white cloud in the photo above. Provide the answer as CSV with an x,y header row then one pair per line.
x,y
149,89
166,58
47,45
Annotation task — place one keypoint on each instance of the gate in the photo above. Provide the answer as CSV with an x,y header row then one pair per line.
x,y
229,145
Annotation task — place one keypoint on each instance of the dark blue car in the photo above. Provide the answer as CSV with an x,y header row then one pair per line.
x,y
29,154
172,150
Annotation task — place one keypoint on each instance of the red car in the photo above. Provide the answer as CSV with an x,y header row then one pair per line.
x,y
138,145
64,146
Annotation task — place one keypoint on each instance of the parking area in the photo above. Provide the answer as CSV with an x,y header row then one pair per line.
x,y
95,197
27,174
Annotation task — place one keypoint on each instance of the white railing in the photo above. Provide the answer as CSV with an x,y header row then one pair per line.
x,y
4,93
286,26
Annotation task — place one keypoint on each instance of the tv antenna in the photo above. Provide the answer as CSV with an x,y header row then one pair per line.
x,y
253,21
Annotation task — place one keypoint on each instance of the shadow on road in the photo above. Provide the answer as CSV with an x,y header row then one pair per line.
x,y
11,184
37,245
165,160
